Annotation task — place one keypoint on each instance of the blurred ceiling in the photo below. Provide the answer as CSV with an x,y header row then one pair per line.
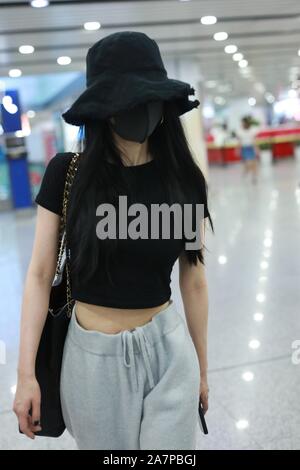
x,y
266,32
38,91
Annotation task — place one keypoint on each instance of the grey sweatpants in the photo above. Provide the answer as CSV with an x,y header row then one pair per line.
x,y
137,389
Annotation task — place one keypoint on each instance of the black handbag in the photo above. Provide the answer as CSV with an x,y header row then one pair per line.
x,y
50,350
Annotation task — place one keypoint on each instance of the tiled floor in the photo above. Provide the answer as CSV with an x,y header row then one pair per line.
x,y
253,270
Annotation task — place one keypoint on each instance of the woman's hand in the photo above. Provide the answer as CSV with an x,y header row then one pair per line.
x,y
28,396
204,394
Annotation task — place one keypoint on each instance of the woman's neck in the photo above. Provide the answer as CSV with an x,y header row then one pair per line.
x,y
133,153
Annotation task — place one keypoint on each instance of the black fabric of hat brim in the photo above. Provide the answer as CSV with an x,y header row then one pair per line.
x,y
111,94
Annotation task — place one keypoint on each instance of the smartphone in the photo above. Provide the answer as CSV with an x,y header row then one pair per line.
x,y
202,421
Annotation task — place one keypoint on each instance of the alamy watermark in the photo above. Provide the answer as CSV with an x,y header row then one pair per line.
x,y
138,228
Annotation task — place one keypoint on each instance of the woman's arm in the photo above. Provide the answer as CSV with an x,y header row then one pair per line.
x,y
193,287
35,304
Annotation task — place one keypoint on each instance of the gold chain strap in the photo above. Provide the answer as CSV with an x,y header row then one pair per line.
x,y
63,227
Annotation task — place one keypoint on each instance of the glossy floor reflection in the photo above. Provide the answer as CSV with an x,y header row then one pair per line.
x,y
253,270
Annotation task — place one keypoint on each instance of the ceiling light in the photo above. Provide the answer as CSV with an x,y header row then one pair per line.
x,y
14,73
207,20
221,36
92,25
237,56
243,63
39,3
252,101
230,49
64,60
299,52
26,49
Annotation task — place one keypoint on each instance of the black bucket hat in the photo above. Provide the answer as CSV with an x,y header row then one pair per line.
x,y
125,69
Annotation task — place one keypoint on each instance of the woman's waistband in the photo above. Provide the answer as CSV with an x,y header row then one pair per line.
x,y
98,342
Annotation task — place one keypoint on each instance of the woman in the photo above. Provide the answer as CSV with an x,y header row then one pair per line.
x,y
132,373
246,135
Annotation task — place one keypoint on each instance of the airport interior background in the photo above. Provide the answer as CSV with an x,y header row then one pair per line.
x,y
243,59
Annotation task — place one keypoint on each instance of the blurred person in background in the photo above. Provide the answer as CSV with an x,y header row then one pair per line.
x,y
246,136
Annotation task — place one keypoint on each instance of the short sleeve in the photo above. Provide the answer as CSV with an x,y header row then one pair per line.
x,y
50,194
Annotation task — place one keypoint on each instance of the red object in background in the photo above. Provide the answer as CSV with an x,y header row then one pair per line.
x,y
35,178
231,154
283,149
223,155
282,141
279,132
215,155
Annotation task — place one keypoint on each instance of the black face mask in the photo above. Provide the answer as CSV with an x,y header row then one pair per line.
x,y
139,122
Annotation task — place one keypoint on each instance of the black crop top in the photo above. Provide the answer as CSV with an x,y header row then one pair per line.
x,y
143,272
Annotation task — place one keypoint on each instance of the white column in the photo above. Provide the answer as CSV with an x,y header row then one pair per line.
x,y
188,70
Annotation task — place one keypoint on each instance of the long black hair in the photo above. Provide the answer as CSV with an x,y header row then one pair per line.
x,y
95,182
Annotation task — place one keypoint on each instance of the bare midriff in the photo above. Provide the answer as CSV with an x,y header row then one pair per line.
x,y
114,320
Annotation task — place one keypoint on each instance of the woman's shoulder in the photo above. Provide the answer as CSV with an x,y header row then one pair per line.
x,y
60,160
51,190
58,166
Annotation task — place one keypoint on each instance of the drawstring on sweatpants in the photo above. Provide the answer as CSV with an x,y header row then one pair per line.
x,y
127,338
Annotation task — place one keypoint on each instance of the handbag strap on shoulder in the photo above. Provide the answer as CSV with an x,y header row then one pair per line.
x,y
72,168
73,165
